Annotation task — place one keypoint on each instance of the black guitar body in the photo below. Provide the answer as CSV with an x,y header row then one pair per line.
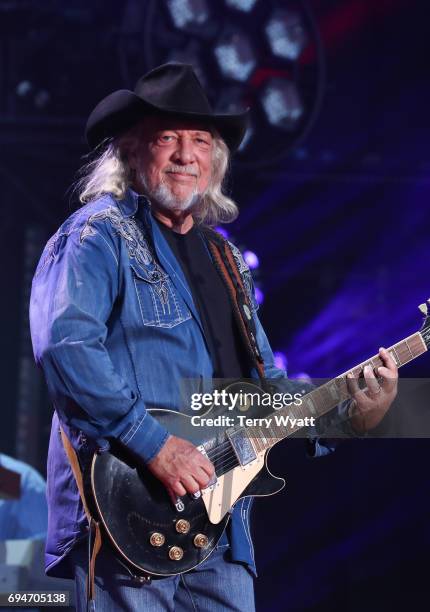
x,y
133,505
145,508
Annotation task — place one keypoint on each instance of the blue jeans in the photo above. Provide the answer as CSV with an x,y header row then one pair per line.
x,y
217,585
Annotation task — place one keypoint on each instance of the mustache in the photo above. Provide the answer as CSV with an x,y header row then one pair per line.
x,y
183,170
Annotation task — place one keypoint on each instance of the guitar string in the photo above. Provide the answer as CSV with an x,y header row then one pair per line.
x,y
226,468
223,457
219,452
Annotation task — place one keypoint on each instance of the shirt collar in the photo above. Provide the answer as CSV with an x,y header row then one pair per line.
x,y
131,202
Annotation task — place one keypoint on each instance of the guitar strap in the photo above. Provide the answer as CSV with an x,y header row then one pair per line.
x,y
226,265
94,525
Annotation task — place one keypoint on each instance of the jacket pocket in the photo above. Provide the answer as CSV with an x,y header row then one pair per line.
x,y
159,303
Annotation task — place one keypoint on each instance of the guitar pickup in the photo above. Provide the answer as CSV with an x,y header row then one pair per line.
x,y
242,447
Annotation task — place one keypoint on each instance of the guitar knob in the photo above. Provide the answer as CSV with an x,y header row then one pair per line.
x,y
176,553
157,539
200,541
179,505
182,526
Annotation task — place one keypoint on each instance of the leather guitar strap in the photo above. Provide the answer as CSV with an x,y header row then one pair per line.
x,y
94,525
225,263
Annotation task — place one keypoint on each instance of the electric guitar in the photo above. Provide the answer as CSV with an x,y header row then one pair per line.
x,y
156,538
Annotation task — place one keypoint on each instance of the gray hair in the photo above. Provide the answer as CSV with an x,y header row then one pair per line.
x,y
110,172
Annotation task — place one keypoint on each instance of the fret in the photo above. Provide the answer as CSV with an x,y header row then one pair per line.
x,y
262,439
403,352
416,344
253,438
375,363
308,403
319,401
294,411
409,349
334,390
271,430
302,410
342,387
325,396
421,342
395,356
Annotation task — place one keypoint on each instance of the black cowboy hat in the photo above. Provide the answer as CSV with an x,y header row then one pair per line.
x,y
170,89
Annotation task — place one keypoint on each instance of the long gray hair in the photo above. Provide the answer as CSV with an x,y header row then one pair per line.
x,y
110,172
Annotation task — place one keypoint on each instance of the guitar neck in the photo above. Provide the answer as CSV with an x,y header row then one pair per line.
x,y
322,399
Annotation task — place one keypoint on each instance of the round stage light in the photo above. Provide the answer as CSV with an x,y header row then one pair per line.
x,y
286,34
282,104
235,56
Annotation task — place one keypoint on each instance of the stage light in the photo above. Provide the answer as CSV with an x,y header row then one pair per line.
x,y
282,104
251,259
286,34
247,54
187,14
24,88
281,360
242,5
235,56
259,295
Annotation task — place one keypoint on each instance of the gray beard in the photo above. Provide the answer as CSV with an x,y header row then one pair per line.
x,y
166,199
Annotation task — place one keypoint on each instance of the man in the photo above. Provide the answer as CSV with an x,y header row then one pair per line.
x,y
128,300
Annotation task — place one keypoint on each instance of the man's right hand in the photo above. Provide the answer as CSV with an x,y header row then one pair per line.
x,y
181,467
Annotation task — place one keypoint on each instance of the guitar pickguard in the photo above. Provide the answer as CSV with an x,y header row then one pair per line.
x,y
220,497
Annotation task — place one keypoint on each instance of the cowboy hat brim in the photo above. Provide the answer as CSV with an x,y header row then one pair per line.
x,y
120,110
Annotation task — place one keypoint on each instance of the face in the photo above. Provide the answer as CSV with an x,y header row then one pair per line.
x,y
174,162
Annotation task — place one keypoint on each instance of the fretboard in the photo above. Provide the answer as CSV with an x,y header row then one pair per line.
x,y
322,399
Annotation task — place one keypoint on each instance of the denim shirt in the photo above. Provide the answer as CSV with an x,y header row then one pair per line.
x,y
115,330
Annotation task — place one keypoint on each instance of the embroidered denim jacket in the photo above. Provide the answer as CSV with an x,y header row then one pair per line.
x,y
115,329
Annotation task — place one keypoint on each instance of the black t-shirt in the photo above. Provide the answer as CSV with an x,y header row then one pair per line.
x,y
212,301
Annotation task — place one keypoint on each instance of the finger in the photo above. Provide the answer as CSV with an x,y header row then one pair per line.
x,y
190,483
173,496
352,384
390,379
207,466
202,478
372,384
175,491
387,360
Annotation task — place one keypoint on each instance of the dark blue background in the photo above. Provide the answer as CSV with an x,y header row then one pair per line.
x,y
341,229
